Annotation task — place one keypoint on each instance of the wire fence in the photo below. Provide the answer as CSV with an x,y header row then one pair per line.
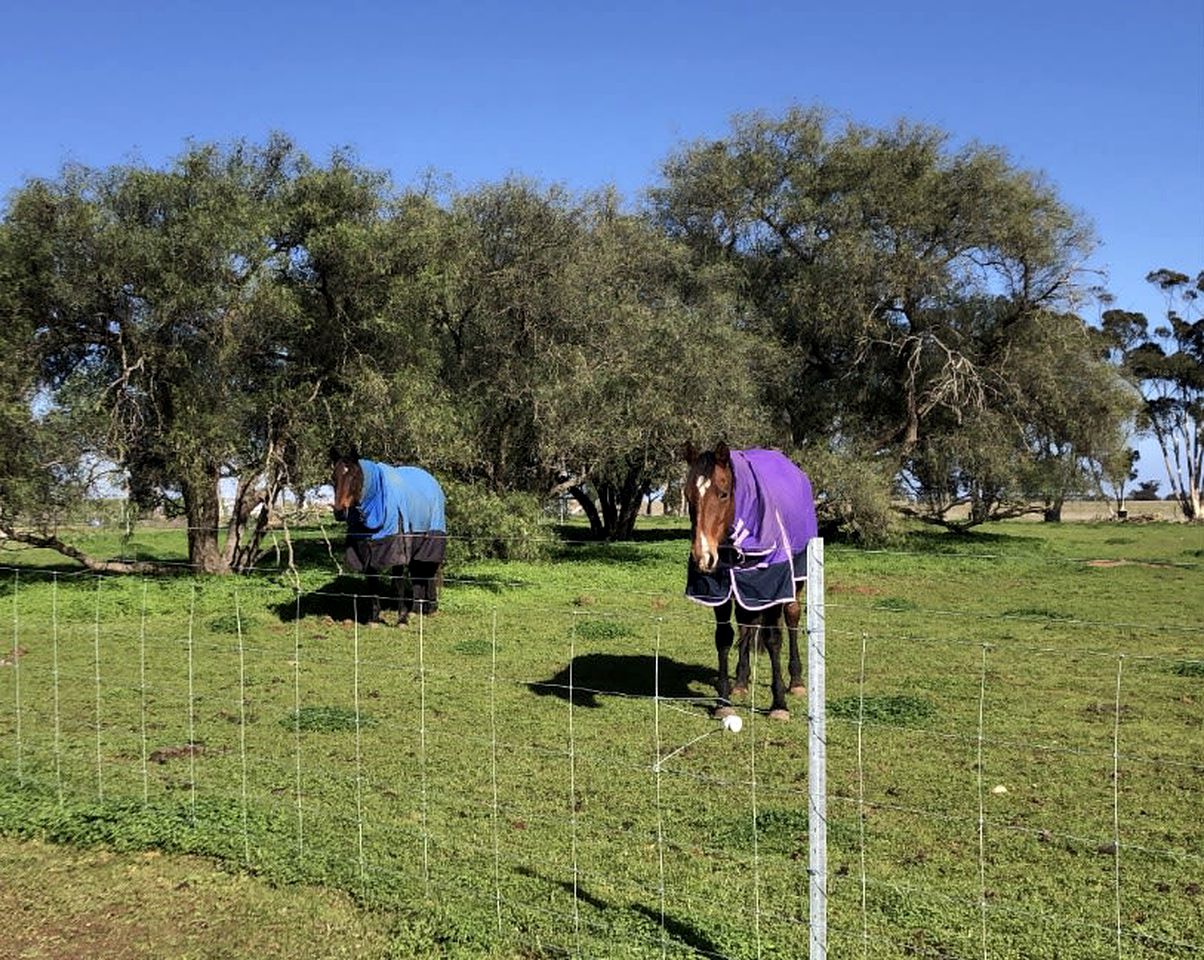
x,y
557,777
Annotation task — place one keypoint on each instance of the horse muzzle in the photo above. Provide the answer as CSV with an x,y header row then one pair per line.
x,y
706,555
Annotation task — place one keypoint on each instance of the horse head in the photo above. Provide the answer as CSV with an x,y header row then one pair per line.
x,y
347,478
710,493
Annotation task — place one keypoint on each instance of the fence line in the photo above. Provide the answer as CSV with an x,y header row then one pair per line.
x,y
982,818
242,731
497,854
17,673
857,724
111,690
1120,664
817,753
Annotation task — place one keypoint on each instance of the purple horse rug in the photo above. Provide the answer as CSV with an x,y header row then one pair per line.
x,y
765,554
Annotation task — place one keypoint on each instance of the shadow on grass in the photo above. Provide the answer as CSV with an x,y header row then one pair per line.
x,y
597,675
345,597
965,541
348,597
576,543
684,933
598,552
573,533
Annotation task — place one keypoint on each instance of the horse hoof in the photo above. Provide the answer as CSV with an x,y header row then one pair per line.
x,y
739,691
779,714
798,690
721,712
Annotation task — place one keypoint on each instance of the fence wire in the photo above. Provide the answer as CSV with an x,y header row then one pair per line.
x,y
689,799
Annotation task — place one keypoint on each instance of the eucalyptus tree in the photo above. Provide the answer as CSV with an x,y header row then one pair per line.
x,y
1167,363
580,344
649,354
188,315
888,265
1074,408
496,293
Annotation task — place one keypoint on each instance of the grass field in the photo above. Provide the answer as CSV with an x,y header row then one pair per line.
x,y
1003,709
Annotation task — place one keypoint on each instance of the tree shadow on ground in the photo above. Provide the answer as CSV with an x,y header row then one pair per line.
x,y
684,933
349,597
575,533
597,675
963,541
594,551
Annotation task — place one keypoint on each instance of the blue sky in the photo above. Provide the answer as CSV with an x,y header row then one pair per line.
x,y
1105,98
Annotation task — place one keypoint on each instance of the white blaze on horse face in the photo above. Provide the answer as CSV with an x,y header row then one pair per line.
x,y
706,554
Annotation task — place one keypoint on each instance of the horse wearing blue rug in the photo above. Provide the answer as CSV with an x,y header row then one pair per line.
x,y
396,527
752,514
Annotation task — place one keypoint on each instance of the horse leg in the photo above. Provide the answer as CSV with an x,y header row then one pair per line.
x,y
405,594
374,584
748,648
793,613
426,578
773,643
723,646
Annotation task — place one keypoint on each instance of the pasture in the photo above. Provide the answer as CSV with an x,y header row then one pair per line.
x,y
1015,758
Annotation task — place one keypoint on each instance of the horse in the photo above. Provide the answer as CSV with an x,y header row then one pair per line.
x,y
396,527
752,515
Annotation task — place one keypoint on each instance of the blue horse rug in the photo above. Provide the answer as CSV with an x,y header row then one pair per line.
x,y
399,519
764,557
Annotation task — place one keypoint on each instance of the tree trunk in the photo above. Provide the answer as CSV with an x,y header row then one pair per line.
x,y
51,542
631,495
613,515
202,508
581,495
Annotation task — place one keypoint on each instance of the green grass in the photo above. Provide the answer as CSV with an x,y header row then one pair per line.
x,y
148,716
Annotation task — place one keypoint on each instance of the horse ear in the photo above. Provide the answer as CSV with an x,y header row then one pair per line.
x,y
353,453
335,456
689,453
723,455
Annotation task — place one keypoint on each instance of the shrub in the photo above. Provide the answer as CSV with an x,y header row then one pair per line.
x,y
482,524
852,496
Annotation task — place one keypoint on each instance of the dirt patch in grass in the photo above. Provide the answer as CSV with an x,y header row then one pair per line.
x,y
856,589
1128,563
60,903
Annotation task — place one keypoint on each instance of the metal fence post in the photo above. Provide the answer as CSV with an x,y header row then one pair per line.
x,y
817,751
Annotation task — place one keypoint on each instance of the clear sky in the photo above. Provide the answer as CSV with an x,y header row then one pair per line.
x,y
1106,98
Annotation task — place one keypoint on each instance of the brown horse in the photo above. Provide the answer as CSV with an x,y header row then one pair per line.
x,y
395,528
751,516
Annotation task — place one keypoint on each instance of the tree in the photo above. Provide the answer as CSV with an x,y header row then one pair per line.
x,y
649,356
893,272
1117,468
582,345
1146,490
1074,407
1167,363
195,318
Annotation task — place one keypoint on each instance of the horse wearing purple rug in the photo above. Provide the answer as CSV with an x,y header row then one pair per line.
x,y
752,514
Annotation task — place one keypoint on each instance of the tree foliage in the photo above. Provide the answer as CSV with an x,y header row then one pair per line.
x,y
918,293
897,312
1167,363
